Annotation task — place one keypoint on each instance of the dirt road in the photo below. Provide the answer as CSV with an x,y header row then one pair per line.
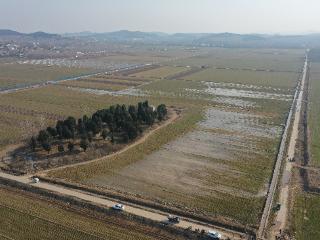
x,y
281,216
133,209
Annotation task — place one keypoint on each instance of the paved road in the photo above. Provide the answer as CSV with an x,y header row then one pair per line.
x,y
294,113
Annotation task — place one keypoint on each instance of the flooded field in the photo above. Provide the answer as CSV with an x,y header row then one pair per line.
x,y
212,89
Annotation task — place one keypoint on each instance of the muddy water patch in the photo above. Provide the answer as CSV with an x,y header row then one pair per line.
x,y
240,122
238,102
244,86
215,89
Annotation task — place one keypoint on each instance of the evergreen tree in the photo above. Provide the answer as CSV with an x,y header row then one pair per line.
x,y
61,148
46,146
84,144
70,146
43,136
104,134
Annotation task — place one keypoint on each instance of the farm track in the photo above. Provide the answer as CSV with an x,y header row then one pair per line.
x,y
27,112
306,167
294,116
137,210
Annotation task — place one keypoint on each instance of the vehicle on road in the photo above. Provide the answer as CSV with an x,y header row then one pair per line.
x,y
118,207
173,219
277,207
214,235
35,180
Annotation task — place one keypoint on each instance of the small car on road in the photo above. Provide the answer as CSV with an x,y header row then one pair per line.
x,y
214,235
173,219
35,180
118,207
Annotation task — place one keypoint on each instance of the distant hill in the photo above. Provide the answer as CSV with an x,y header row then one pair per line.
x,y
230,40
7,32
11,33
227,40
43,35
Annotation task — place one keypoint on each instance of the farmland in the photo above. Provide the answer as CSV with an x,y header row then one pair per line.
x,y
220,151
272,59
314,113
21,213
306,212
161,72
258,78
16,75
304,218
236,139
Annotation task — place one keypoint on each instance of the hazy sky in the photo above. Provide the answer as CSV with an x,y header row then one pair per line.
x,y
242,16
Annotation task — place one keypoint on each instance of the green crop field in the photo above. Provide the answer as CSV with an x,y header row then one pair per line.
x,y
314,113
306,224
15,75
24,217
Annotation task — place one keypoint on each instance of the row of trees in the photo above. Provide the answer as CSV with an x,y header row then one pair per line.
x,y
118,120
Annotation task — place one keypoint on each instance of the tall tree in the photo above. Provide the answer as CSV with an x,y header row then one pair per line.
x,y
61,148
46,146
104,134
70,146
43,136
